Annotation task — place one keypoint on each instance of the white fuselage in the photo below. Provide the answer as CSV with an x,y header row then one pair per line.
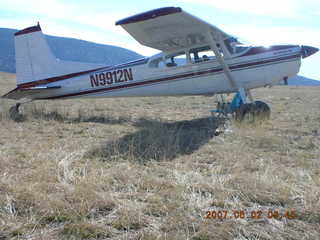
x,y
256,67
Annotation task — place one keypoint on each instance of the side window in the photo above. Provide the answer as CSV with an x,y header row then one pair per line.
x,y
202,54
157,63
176,60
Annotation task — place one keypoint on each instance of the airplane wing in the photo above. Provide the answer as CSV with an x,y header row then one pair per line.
x,y
170,28
19,93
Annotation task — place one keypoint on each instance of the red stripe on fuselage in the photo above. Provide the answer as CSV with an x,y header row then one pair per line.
x,y
77,74
56,79
259,50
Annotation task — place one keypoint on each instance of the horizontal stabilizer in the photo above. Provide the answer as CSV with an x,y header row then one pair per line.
x,y
39,88
19,93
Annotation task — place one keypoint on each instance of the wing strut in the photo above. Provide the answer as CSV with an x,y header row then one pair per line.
x,y
215,48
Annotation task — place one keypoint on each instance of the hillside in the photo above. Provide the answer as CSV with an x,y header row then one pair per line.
x,y
152,168
302,81
67,49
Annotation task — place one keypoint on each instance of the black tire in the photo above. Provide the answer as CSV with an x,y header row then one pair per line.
x,y
253,112
262,110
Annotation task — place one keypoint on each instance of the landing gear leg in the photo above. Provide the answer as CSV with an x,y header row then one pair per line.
x,y
14,111
242,108
15,108
220,115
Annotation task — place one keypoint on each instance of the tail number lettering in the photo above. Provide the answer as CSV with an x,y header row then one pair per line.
x,y
109,78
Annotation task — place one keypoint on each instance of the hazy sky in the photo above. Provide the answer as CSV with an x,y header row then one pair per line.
x,y
259,22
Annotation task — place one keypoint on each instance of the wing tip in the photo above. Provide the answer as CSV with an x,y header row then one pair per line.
x,y
149,15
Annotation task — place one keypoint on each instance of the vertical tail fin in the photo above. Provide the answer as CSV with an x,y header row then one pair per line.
x,y
35,60
33,56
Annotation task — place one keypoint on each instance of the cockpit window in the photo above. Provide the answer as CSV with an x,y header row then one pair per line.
x,y
201,54
155,63
175,60
172,60
234,46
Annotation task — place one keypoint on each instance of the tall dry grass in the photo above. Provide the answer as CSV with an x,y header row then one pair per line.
x,y
151,169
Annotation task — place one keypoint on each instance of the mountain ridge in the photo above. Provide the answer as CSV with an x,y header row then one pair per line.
x,y
302,81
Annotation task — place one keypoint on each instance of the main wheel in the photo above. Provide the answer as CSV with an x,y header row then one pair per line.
x,y
262,110
252,112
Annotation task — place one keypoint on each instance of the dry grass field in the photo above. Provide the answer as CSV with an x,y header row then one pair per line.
x,y
152,168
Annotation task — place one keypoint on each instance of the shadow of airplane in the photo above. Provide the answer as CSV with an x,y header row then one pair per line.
x,y
158,140
55,115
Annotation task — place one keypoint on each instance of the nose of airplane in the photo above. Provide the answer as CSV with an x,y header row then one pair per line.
x,y
307,51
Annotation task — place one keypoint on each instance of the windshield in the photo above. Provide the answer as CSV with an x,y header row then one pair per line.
x,y
234,46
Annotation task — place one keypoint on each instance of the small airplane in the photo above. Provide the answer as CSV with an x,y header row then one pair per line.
x,y
196,58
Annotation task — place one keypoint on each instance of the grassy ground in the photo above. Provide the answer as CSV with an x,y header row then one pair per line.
x,y
153,168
